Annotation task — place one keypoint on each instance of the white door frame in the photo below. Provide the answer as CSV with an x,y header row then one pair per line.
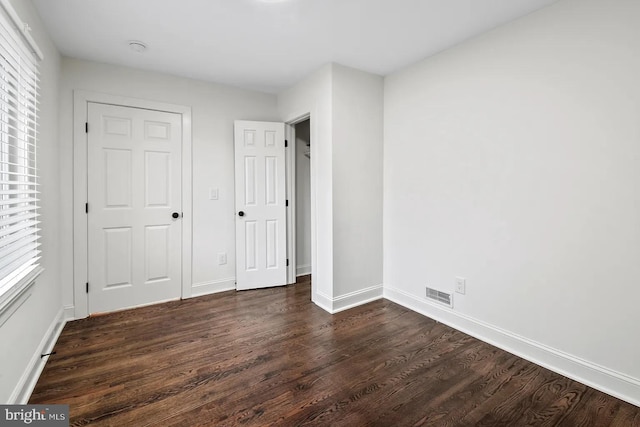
x,y
290,136
80,245
290,166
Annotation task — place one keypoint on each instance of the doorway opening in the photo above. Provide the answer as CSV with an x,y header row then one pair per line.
x,y
268,198
303,200
300,195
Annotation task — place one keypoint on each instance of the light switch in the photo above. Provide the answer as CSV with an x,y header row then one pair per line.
x,y
213,194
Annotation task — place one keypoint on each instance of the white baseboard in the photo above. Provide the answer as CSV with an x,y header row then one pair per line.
x,y
322,301
29,378
69,313
303,270
206,288
606,380
354,299
347,301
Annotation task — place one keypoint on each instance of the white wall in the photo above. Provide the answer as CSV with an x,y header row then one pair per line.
x,y
303,199
24,335
357,184
512,160
214,108
346,184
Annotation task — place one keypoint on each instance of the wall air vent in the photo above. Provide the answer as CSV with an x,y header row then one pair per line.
x,y
440,297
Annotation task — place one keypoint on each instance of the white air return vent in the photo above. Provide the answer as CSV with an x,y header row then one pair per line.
x,y
440,297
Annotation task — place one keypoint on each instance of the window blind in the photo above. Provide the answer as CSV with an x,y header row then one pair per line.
x,y
19,232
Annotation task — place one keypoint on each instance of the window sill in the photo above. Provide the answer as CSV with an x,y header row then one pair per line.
x,y
17,292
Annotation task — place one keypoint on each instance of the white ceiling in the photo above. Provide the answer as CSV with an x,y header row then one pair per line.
x,y
269,45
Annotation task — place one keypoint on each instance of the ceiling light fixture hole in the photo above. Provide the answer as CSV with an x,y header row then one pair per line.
x,y
137,46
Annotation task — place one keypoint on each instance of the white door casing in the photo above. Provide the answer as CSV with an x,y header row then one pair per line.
x,y
134,188
290,162
260,195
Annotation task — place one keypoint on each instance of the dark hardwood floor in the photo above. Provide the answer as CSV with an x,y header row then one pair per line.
x,y
270,357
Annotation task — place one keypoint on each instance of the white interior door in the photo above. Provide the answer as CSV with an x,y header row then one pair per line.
x,y
261,245
134,207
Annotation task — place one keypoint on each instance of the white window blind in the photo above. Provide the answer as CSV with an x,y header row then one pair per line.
x,y
19,239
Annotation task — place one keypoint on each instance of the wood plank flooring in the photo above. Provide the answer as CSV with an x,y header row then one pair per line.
x,y
271,357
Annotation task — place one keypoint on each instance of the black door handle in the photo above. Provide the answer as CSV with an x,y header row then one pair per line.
x,y
175,215
241,213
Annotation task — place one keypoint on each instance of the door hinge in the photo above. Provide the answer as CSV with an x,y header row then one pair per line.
x,y
286,203
287,262
86,127
87,287
86,208
286,143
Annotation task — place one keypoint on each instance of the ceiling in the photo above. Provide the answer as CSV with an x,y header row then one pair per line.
x,y
269,45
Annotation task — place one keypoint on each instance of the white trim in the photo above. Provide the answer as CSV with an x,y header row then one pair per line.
x,y
22,392
69,313
354,299
290,135
213,287
606,380
290,166
303,270
322,301
350,300
15,293
80,100
316,297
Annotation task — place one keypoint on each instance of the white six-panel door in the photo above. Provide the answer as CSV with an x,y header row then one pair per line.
x,y
261,245
134,194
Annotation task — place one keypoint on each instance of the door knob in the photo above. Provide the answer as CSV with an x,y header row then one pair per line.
x,y
241,213
175,215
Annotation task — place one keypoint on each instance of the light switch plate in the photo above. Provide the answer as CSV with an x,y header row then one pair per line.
x,y
213,194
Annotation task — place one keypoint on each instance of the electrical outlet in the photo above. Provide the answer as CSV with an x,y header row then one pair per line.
x,y
461,285
222,258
